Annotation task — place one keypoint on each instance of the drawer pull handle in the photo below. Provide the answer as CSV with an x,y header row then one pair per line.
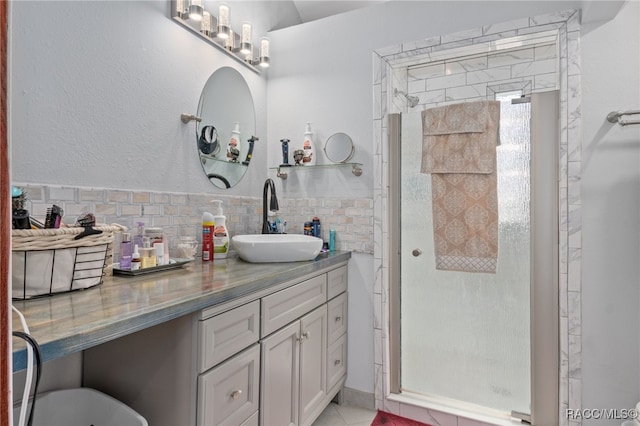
x,y
236,394
336,362
338,319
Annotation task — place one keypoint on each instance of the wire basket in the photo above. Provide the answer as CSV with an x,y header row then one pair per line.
x,y
49,261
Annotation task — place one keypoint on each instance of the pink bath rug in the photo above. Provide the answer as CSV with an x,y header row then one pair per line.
x,y
388,419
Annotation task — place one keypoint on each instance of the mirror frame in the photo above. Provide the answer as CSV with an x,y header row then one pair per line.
x,y
341,139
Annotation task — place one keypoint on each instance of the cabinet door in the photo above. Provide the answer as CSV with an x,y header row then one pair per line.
x,y
280,376
313,356
228,394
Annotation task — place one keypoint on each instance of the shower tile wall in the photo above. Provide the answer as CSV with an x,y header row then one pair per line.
x,y
180,214
420,69
533,69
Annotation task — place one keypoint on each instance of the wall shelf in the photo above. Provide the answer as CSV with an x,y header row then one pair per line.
x,y
283,172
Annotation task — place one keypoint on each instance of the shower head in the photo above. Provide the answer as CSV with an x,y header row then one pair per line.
x,y
412,101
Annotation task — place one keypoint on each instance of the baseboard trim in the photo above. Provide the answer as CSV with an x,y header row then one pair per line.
x,y
357,398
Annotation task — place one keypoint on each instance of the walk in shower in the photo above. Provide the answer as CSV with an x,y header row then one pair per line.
x,y
464,337
477,345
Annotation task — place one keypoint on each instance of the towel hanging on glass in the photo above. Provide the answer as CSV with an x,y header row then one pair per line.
x,y
459,150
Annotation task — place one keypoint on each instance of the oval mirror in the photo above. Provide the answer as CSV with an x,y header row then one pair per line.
x,y
225,153
339,148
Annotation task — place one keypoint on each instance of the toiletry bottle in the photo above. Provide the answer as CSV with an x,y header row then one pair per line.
x,y
158,249
233,152
126,250
137,239
316,227
135,259
148,258
220,233
156,235
332,240
208,225
308,228
308,158
147,254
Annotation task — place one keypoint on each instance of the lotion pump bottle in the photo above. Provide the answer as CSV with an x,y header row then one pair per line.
x,y
309,158
220,232
208,225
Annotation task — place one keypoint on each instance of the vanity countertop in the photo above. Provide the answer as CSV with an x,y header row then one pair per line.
x,y
70,322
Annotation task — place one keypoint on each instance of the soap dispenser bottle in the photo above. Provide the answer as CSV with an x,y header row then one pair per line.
x,y
308,158
220,232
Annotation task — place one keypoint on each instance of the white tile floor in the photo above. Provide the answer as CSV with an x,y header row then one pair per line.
x,y
344,415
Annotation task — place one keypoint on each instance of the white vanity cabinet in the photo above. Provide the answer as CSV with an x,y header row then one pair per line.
x,y
274,357
303,363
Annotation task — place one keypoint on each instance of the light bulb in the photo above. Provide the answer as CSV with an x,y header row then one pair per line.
x,y
229,42
181,9
245,40
264,52
205,24
224,21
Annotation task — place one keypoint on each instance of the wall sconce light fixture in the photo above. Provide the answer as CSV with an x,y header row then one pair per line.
x,y
263,59
218,32
245,39
224,22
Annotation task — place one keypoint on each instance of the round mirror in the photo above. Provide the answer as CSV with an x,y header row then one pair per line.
x,y
339,148
228,123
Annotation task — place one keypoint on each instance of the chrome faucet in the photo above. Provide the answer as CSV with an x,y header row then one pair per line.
x,y
273,204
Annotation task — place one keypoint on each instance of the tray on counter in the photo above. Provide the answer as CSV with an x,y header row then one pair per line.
x,y
175,264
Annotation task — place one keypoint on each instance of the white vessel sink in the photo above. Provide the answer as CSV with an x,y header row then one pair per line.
x,y
263,248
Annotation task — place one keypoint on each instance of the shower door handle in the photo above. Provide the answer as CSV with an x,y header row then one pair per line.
x,y
416,252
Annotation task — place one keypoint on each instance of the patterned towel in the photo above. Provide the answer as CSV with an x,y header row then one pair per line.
x,y
459,150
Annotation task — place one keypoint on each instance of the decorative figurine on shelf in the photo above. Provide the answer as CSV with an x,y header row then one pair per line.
x,y
232,151
285,153
298,154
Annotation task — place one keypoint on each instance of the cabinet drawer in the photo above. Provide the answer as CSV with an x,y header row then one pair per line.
x,y
336,282
337,361
228,394
337,319
287,305
228,333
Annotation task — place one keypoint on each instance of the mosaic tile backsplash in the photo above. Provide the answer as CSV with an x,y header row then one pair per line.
x,y
180,214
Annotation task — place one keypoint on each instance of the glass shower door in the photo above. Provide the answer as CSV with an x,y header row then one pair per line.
x,y
466,336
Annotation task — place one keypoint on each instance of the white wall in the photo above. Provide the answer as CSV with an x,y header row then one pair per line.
x,y
96,90
322,72
96,93
611,214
